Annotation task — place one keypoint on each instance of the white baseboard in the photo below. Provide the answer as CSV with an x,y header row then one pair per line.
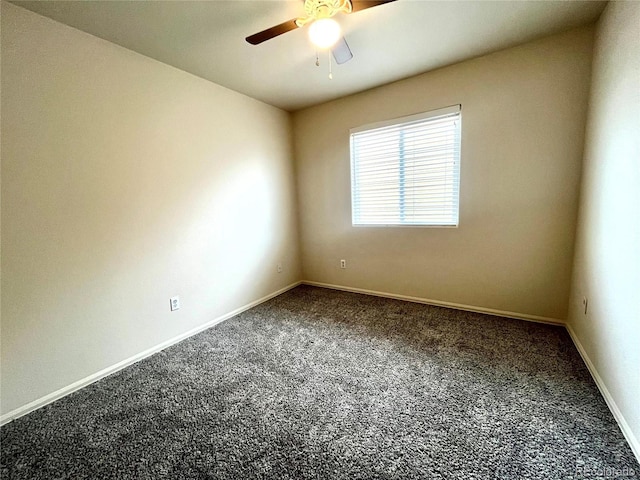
x,y
52,397
617,414
438,303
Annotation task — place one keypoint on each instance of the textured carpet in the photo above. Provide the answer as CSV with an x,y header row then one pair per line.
x,y
331,385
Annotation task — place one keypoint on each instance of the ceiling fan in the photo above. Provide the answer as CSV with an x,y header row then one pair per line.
x,y
323,30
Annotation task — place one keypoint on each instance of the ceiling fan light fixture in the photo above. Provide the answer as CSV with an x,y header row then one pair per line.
x,y
324,32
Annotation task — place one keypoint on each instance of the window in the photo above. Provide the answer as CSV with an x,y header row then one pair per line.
x,y
407,171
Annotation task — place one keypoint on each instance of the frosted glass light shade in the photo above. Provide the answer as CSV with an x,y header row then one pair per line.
x,y
324,33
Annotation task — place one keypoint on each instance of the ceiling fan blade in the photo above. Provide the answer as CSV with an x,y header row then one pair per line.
x,y
363,4
272,32
341,51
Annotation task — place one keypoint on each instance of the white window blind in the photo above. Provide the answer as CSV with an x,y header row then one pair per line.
x,y
407,171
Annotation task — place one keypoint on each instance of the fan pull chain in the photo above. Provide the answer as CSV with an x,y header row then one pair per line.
x,y
330,66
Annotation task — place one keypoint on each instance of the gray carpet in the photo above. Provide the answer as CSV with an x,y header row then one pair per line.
x,y
331,385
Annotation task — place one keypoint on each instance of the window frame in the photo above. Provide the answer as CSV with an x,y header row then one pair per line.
x,y
400,121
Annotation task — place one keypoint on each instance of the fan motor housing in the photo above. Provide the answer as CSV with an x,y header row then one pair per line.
x,y
317,9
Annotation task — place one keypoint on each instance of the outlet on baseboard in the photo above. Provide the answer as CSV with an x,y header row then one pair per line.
x,y
175,303
279,268
343,263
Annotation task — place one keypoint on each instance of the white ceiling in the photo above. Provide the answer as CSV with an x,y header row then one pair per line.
x,y
389,42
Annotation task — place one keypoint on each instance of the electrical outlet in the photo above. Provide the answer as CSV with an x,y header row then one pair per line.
x,y
343,263
279,268
585,302
175,303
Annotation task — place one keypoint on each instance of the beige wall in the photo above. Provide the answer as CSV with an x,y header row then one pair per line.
x,y
125,182
607,259
523,117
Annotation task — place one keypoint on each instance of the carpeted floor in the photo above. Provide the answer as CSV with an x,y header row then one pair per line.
x,y
332,385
